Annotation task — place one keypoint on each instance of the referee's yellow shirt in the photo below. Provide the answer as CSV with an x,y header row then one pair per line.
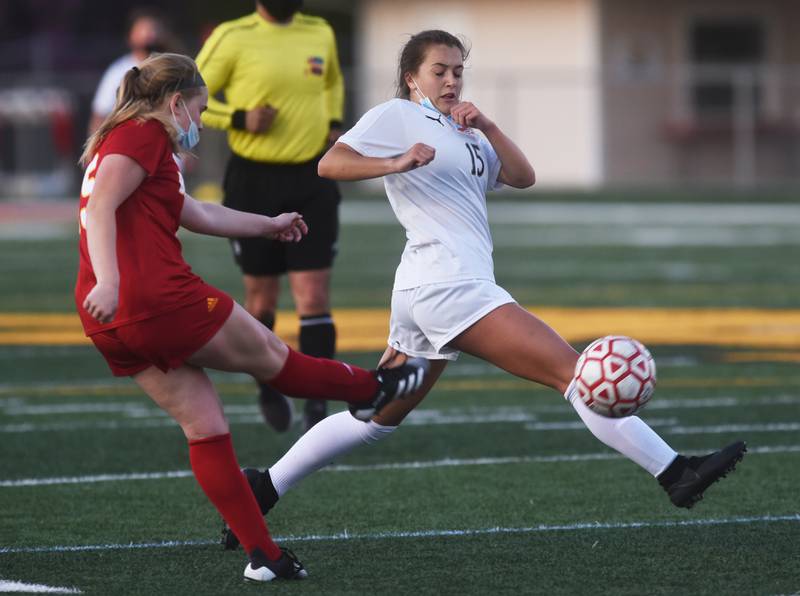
x,y
292,67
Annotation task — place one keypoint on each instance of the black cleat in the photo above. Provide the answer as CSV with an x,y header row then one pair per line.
x,y
275,408
266,496
687,478
395,383
314,411
261,569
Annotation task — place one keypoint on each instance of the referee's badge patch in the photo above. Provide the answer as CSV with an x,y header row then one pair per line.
x,y
315,65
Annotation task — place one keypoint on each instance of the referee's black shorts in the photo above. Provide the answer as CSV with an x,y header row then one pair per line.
x,y
271,189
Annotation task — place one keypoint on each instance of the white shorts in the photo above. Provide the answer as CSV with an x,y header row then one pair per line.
x,y
425,319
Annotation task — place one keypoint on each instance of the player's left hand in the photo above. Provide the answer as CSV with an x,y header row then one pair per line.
x,y
467,115
287,227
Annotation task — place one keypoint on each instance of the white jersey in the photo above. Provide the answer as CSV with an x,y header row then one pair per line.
x,y
106,95
442,206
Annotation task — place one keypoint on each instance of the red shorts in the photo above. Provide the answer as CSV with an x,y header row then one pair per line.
x,y
164,341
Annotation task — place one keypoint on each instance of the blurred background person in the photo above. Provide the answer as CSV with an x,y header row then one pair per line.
x,y
147,32
283,102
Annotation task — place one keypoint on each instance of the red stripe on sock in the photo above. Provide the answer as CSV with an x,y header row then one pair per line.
x,y
217,472
320,378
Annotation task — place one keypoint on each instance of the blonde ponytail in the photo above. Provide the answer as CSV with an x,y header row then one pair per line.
x,y
142,93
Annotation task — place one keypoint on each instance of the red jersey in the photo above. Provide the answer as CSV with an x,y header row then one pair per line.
x,y
153,277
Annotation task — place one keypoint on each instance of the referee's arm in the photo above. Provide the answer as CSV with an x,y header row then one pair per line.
x,y
215,62
334,86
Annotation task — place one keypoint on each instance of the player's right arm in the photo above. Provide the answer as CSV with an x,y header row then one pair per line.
x,y
216,61
342,162
116,179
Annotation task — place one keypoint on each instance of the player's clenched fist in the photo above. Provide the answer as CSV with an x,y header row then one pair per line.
x,y
101,302
468,115
419,155
287,227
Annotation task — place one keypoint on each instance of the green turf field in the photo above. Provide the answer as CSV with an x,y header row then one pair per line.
x,y
492,487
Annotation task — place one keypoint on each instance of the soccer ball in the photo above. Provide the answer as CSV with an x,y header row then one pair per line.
x,y
615,376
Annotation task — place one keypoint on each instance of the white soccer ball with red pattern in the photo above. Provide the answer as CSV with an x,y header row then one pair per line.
x,y
615,376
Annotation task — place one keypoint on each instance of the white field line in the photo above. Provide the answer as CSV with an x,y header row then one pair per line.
x,y
98,407
143,409
15,586
88,384
428,420
420,418
770,427
458,533
413,465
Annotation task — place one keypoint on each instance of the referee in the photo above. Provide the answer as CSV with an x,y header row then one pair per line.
x,y
278,72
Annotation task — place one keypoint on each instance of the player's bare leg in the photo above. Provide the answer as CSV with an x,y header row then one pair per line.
x,y
394,413
188,396
242,344
333,437
513,339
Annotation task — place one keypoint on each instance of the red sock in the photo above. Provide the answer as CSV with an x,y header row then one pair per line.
x,y
320,378
218,474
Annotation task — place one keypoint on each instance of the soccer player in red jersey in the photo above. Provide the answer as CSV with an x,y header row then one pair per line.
x,y
156,321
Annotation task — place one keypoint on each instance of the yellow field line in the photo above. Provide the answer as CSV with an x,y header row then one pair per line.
x,y
366,329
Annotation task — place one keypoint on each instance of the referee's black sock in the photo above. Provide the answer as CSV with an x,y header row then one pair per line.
x,y
318,335
318,339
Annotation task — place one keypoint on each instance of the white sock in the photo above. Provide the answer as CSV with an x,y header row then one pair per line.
x,y
629,435
325,441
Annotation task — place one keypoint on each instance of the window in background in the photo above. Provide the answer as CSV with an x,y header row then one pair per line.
x,y
722,52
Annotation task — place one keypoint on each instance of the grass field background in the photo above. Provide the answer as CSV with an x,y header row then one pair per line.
x,y
492,486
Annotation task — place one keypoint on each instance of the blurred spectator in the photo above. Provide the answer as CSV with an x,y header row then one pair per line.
x,y
147,33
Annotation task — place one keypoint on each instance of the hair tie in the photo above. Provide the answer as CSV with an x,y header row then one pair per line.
x,y
135,70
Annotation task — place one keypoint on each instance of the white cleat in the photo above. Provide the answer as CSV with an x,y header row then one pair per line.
x,y
262,574
264,570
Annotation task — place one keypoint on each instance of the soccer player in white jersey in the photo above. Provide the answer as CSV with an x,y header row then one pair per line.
x,y
438,156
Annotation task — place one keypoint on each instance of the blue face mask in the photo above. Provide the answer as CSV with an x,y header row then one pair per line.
x,y
426,101
187,139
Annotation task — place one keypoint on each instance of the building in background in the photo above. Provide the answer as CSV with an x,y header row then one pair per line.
x,y
619,92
